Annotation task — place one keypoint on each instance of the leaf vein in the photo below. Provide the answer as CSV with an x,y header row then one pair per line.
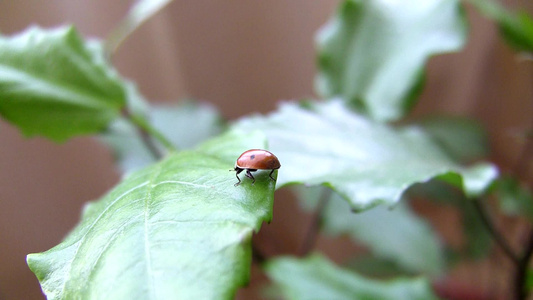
x,y
82,239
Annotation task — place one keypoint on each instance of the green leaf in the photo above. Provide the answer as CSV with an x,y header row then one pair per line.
x,y
178,229
139,12
372,53
515,199
394,234
478,240
173,121
529,281
366,162
54,84
516,28
463,139
317,278
372,266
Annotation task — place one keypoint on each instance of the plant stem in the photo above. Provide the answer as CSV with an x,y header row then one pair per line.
x,y
148,133
522,268
496,235
314,227
117,36
149,144
521,170
257,255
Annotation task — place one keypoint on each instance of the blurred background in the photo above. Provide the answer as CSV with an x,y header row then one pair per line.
x,y
243,57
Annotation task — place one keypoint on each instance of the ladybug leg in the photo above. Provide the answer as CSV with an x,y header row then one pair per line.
x,y
239,170
270,175
249,175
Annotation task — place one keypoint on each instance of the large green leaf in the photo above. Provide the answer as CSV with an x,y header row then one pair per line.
x,y
316,278
366,162
173,121
461,138
516,28
54,84
178,229
372,53
139,12
394,234
477,241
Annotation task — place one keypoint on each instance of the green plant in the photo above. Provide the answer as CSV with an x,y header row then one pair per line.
x,y
176,227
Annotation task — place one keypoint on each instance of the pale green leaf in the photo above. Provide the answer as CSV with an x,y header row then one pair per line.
x,y
394,234
372,53
178,229
317,278
478,241
461,138
366,162
53,83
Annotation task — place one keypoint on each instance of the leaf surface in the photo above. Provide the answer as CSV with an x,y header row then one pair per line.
x,y
371,53
178,229
462,139
366,162
55,84
317,278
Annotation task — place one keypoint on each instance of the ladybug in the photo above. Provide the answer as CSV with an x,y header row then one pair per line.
x,y
253,160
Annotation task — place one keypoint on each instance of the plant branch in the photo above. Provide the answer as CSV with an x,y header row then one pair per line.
x,y
521,271
149,143
495,233
314,227
521,170
257,255
148,133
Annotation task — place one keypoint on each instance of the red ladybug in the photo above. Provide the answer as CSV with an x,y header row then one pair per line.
x,y
253,160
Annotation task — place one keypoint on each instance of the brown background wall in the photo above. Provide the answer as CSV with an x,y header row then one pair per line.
x,y
244,57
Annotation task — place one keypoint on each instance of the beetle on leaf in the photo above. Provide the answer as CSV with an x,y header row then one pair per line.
x,y
253,160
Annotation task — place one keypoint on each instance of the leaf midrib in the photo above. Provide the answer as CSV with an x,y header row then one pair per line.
x,y
147,202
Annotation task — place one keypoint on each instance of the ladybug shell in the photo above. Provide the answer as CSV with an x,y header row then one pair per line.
x,y
258,159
